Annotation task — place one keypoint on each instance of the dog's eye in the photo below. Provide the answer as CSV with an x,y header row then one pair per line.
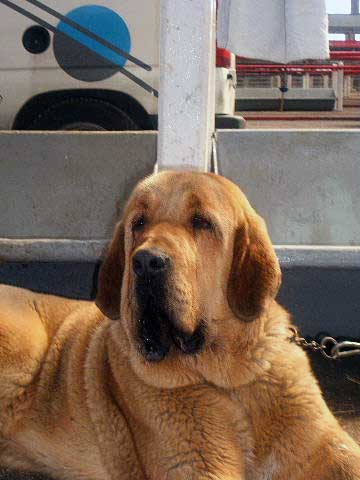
x,y
139,224
201,223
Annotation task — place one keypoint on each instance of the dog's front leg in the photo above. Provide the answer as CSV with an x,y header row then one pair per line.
x,y
194,438
338,458
204,458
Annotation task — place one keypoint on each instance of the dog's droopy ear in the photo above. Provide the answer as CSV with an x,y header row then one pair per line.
x,y
255,275
110,276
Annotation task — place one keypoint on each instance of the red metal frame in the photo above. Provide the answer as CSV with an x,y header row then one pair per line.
x,y
275,66
344,55
296,69
344,44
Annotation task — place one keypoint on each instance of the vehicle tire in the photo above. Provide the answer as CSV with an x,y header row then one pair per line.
x,y
82,113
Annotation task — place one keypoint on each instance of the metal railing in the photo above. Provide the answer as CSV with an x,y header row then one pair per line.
x,y
343,79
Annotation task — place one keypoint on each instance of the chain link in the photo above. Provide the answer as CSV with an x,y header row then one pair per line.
x,y
328,346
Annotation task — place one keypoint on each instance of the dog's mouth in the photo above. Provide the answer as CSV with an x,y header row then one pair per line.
x,y
157,330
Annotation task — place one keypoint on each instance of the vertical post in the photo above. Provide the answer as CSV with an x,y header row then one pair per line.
x,y
187,84
354,11
351,85
340,88
289,80
306,83
334,85
326,81
347,86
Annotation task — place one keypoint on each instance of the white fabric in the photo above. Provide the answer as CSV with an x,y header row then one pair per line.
x,y
275,30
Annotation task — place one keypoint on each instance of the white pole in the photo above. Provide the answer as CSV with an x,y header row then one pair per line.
x,y
334,85
187,84
289,80
340,85
306,83
347,86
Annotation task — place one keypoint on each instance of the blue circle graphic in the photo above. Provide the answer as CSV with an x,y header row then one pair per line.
x,y
103,22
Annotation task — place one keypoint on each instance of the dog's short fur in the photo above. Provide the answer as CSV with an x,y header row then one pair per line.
x,y
194,379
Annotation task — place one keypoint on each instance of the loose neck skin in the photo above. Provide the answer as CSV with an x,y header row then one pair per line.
x,y
229,360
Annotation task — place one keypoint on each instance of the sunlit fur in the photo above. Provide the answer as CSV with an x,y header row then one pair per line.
x,y
231,397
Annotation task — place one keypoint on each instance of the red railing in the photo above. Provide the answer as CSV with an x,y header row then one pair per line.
x,y
273,69
344,55
344,44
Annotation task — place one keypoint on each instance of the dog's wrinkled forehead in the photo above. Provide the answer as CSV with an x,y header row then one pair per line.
x,y
176,193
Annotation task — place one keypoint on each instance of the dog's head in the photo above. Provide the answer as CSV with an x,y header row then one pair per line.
x,y
189,253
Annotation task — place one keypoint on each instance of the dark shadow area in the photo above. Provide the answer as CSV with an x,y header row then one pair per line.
x,y
75,280
323,300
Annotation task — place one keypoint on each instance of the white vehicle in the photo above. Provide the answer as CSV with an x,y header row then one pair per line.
x,y
74,66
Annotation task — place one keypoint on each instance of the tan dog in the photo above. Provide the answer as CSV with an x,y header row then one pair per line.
x,y
197,379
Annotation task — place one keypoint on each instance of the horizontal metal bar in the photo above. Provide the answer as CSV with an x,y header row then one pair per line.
x,y
344,44
50,250
65,250
318,256
286,67
344,23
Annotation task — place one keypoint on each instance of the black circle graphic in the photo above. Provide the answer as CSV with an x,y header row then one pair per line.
x,y
79,61
36,39
79,42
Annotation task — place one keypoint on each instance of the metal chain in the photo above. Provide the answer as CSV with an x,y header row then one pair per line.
x,y
328,346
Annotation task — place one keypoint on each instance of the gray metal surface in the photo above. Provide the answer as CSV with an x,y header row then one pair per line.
x,y
62,193
292,93
294,99
69,185
344,23
318,257
305,183
51,250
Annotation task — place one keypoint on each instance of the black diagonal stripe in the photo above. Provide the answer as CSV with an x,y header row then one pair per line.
x,y
50,27
89,33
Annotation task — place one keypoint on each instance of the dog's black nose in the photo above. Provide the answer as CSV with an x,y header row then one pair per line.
x,y
150,263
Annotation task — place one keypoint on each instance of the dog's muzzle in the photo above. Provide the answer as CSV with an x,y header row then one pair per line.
x,y
157,330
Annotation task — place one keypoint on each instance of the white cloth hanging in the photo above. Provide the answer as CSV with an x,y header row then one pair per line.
x,y
274,30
